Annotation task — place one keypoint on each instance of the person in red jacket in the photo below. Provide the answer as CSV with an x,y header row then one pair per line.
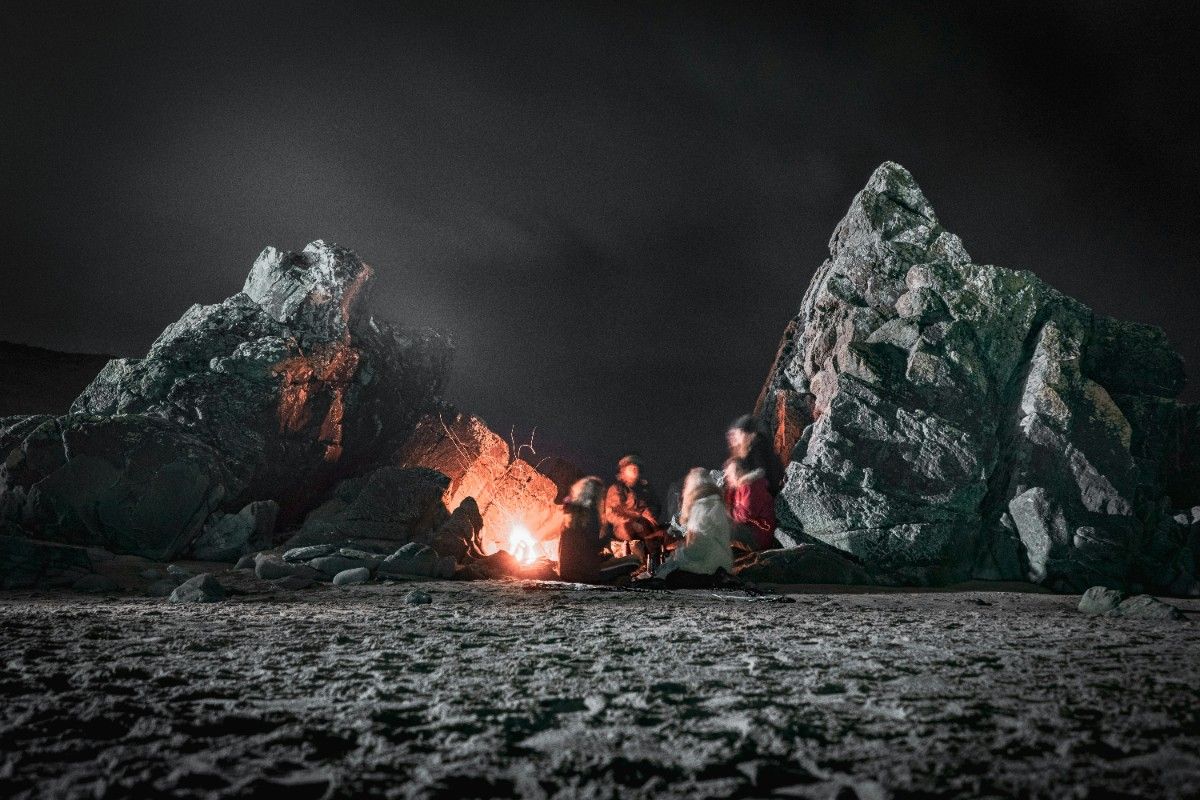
x,y
751,505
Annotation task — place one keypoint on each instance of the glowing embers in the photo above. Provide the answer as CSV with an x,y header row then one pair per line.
x,y
522,546
528,546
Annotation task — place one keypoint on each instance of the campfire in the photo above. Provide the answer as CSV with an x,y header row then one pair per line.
x,y
518,539
514,549
521,545
518,500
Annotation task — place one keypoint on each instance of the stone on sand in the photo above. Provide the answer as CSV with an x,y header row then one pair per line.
x,y
202,588
350,577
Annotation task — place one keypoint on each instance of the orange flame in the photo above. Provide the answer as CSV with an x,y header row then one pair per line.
x,y
521,545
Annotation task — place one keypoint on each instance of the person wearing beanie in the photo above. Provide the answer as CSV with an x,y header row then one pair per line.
x,y
631,509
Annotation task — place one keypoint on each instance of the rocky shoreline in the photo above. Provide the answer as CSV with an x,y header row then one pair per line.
x,y
941,420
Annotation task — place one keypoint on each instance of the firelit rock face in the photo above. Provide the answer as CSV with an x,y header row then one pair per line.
x,y
276,393
958,420
289,378
482,466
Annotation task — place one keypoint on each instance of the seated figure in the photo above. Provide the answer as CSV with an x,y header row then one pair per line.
x,y
631,510
707,528
751,506
579,540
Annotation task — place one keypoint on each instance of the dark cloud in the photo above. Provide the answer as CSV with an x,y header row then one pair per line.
x,y
614,212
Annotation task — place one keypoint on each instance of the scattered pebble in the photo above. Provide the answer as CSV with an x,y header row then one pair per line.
x,y
418,598
1100,600
203,588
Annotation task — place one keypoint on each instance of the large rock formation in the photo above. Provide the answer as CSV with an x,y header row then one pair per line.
x,y
273,394
946,420
289,378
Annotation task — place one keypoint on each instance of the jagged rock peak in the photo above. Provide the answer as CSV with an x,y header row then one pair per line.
x,y
273,394
893,211
320,286
947,420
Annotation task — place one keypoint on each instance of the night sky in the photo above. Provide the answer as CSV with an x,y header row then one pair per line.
x,y
613,212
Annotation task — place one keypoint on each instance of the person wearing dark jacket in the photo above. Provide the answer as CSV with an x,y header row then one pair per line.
x,y
579,543
631,511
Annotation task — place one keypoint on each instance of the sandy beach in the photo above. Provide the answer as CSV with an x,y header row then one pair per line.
x,y
542,690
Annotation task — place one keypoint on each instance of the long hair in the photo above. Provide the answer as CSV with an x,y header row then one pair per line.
x,y
697,485
586,492
762,455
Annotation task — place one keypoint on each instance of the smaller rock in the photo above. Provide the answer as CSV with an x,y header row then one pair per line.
x,y
271,567
95,584
63,578
203,588
361,555
350,577
1100,600
418,598
415,559
332,565
295,582
227,536
178,572
302,554
246,562
1143,606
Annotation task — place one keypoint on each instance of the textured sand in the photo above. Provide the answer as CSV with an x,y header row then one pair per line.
x,y
504,688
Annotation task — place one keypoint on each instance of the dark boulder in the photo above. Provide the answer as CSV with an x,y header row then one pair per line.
x,y
202,588
388,504
290,379
455,536
95,584
26,562
130,483
274,394
947,420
